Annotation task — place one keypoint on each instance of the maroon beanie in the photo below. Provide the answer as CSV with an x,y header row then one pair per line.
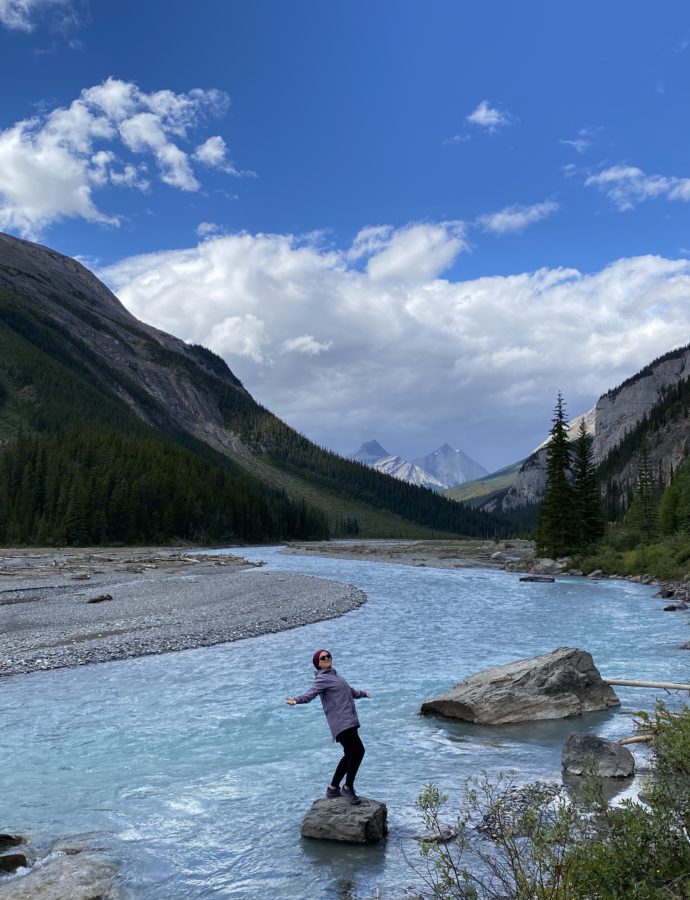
x,y
315,657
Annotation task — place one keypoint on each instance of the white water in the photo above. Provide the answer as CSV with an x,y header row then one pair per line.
x,y
197,774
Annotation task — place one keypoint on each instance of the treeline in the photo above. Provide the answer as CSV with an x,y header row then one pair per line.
x,y
93,487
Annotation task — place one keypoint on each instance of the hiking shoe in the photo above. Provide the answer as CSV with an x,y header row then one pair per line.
x,y
351,795
332,793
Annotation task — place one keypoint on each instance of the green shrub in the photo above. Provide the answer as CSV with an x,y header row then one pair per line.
x,y
534,842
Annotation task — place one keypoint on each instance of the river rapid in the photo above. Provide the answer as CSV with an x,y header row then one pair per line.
x,y
195,774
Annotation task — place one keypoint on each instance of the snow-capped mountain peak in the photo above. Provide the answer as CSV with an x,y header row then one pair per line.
x,y
443,468
369,453
450,466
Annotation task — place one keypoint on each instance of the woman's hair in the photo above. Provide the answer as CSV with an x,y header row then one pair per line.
x,y
315,657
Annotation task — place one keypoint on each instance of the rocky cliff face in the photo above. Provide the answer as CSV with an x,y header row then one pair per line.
x,y
154,366
620,410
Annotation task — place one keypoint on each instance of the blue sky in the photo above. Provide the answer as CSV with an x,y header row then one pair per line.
x,y
407,221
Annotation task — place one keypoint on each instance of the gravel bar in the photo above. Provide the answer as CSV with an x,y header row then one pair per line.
x,y
72,618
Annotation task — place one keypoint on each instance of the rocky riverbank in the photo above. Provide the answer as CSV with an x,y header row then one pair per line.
x,y
71,608
458,554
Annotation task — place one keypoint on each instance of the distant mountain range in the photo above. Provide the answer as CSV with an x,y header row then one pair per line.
x,y
439,470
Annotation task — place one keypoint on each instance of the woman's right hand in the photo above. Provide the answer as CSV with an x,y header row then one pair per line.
x,y
290,701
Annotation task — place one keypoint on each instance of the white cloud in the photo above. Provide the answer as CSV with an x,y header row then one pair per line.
x,y
516,218
51,165
627,186
457,139
416,359
306,343
369,240
20,15
206,229
418,252
583,141
579,144
488,117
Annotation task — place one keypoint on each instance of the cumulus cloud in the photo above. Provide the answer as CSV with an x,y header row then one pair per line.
x,y
21,15
418,252
344,355
488,117
113,134
516,218
627,186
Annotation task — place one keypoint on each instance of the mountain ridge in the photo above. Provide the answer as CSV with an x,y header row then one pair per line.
x,y
70,346
439,470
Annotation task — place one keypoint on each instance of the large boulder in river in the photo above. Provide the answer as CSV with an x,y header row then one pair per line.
x,y
338,820
609,759
556,685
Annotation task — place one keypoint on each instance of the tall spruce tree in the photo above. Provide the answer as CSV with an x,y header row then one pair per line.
x,y
589,516
644,509
556,531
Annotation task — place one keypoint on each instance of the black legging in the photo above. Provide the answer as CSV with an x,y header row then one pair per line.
x,y
353,753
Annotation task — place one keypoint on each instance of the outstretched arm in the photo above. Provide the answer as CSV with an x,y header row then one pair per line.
x,y
307,696
358,695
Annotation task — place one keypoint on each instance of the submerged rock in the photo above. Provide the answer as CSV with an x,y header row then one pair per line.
x,y
10,862
443,835
10,840
338,820
610,759
546,579
556,685
71,871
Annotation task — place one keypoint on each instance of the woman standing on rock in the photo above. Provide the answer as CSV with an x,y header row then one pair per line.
x,y
337,698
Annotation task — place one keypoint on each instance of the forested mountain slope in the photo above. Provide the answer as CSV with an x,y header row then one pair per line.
x,y
111,430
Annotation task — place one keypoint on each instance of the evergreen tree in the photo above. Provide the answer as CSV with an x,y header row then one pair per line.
x,y
589,516
644,509
556,532
669,520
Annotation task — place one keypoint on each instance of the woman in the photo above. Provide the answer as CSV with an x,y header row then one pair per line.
x,y
337,698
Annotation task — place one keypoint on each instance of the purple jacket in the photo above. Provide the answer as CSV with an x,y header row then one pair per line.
x,y
338,700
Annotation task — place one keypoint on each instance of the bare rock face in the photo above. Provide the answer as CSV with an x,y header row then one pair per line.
x,y
610,759
338,820
556,685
